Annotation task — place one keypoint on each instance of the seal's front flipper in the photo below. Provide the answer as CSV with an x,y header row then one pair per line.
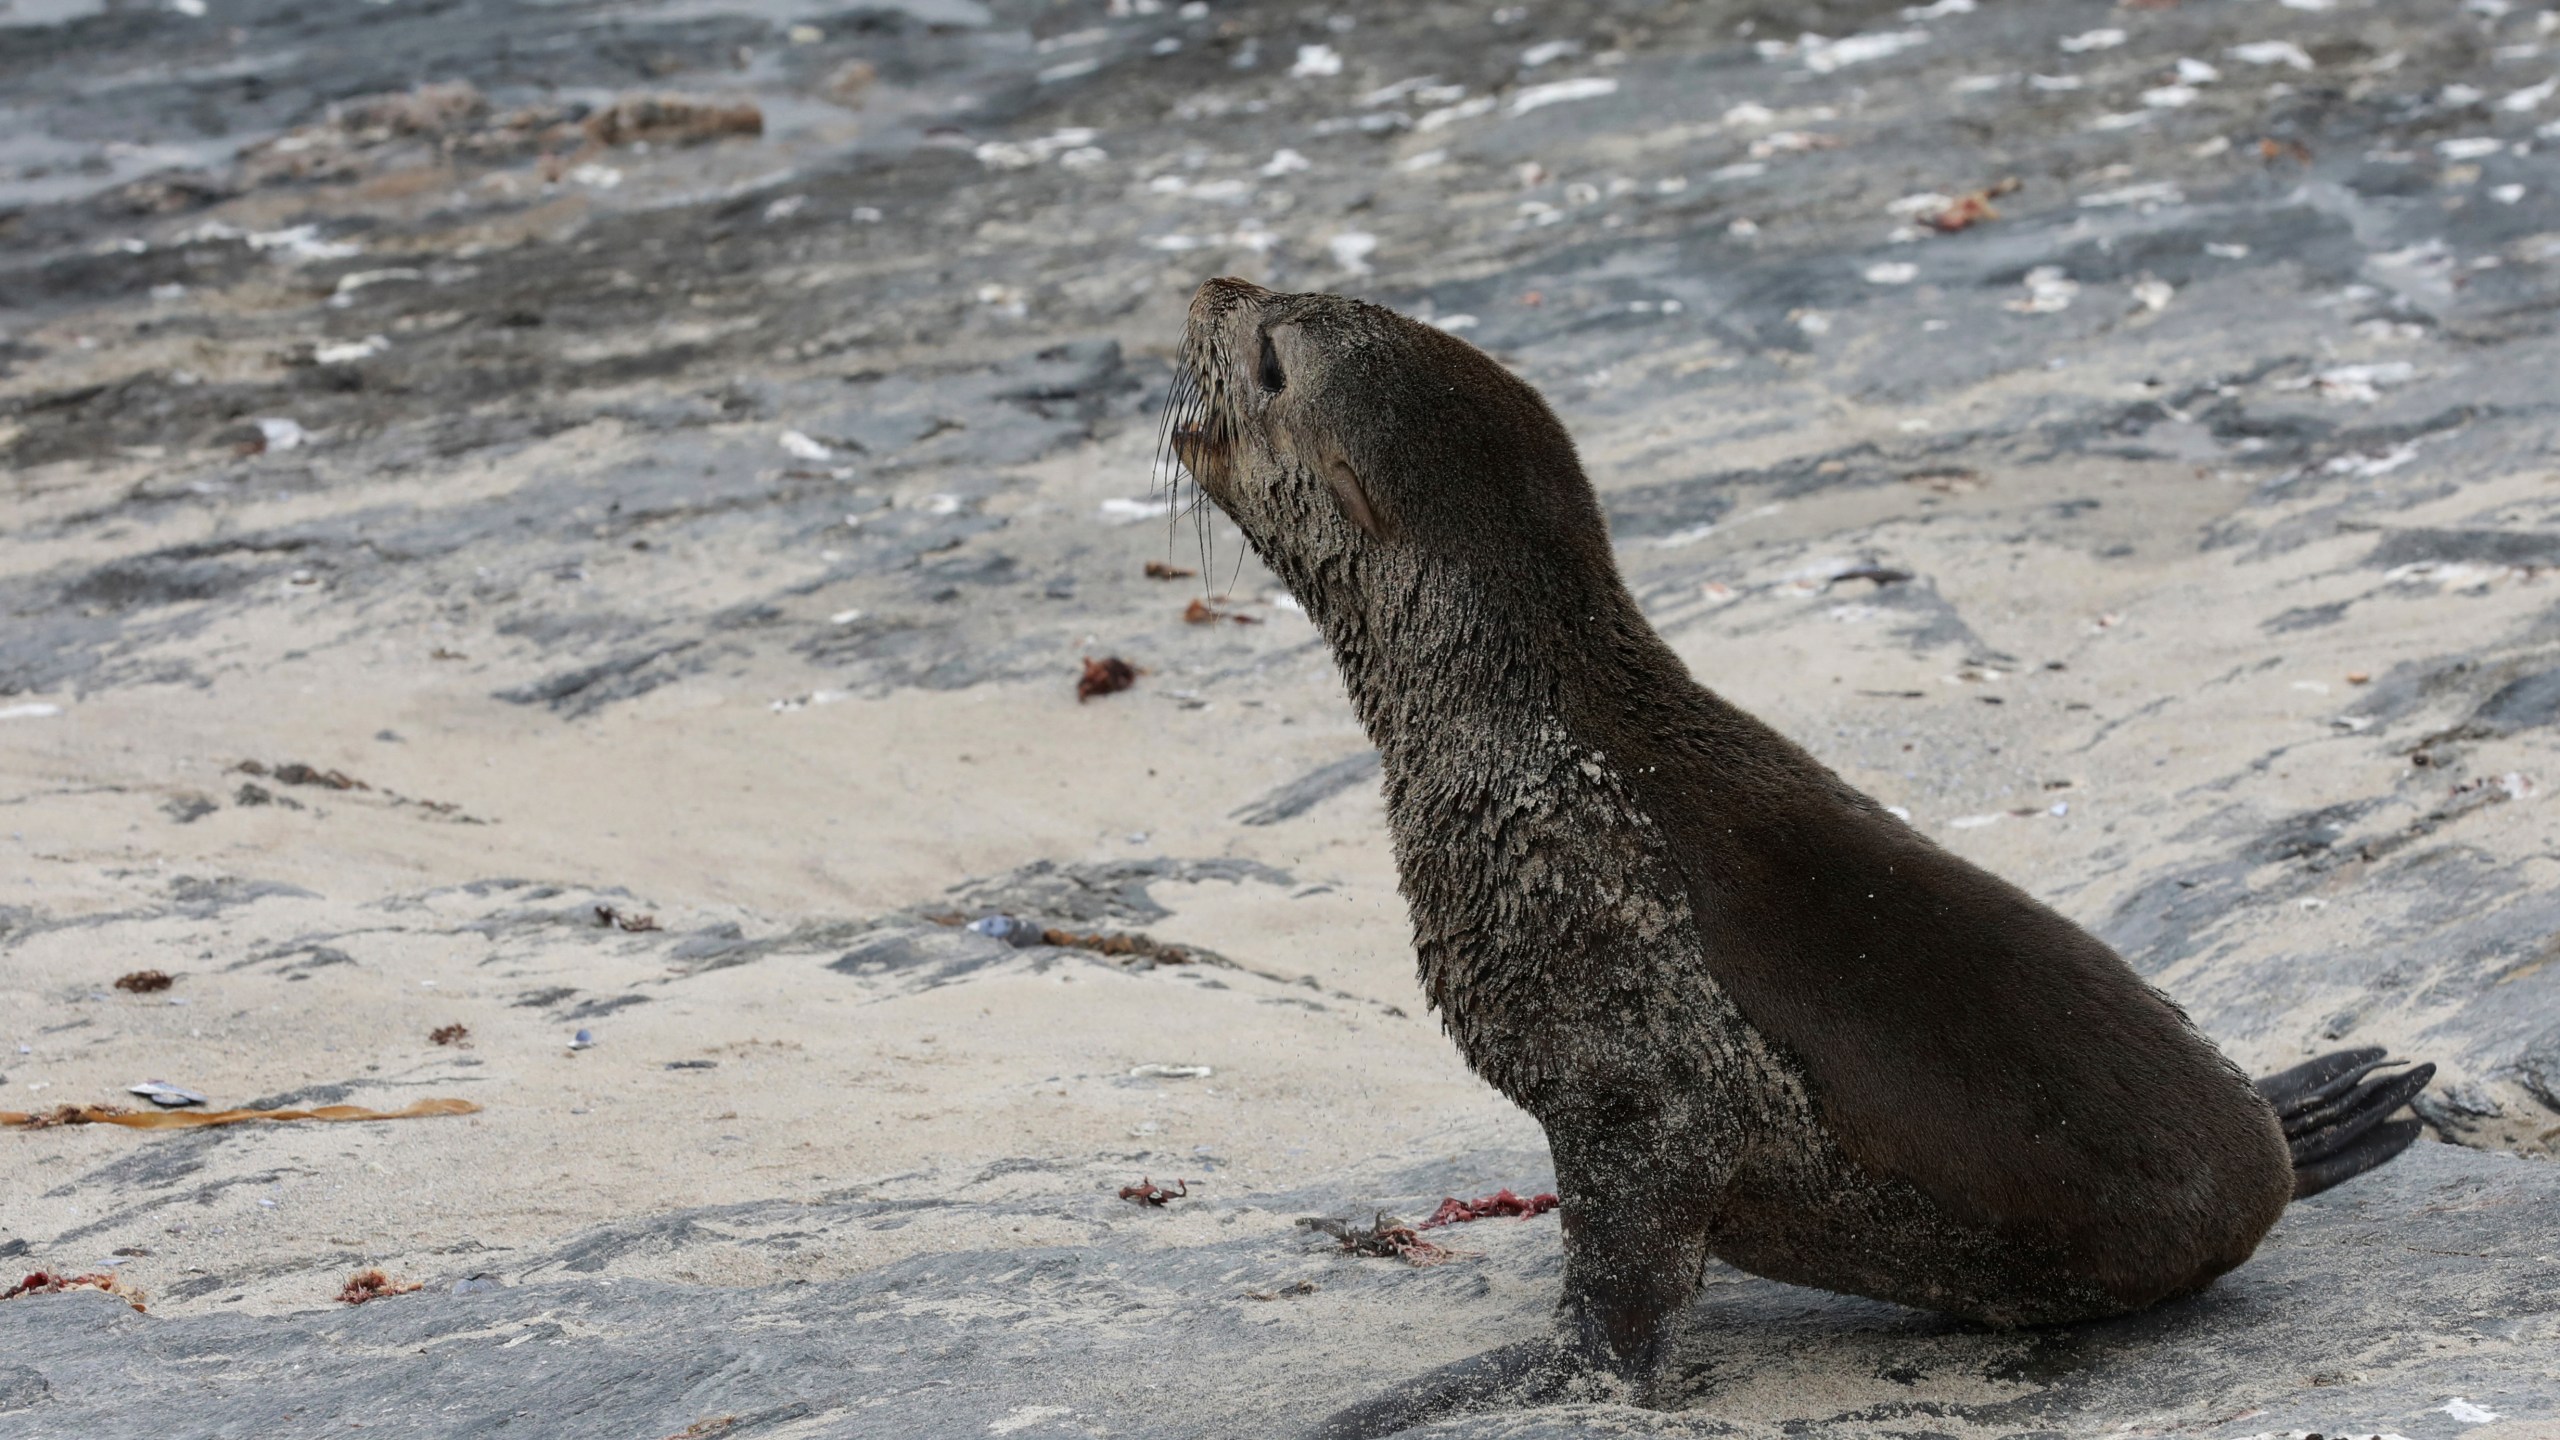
x,y
1532,1372
2334,1115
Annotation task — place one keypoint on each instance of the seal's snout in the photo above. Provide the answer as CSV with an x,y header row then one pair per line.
x,y
1199,431
1195,447
1200,428
1216,297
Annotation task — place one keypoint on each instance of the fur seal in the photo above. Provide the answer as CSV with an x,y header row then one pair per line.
x,y
1760,1018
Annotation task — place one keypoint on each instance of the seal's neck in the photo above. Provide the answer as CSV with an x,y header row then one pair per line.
x,y
1428,657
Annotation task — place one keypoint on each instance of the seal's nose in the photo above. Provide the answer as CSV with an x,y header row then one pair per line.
x,y
1216,297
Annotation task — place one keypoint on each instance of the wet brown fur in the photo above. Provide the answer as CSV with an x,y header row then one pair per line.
x,y
1760,1018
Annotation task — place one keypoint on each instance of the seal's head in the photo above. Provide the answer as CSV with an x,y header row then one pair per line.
x,y
1369,458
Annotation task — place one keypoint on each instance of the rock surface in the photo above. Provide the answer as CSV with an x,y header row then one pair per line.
x,y
2372,1309
495,538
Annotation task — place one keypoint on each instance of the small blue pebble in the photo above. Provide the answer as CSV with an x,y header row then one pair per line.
x,y
1012,930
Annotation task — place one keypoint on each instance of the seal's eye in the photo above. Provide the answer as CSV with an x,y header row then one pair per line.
x,y
1273,381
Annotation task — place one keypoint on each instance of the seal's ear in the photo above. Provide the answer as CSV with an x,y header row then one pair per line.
x,y
1351,495
1286,355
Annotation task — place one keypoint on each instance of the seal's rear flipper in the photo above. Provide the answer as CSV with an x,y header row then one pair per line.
x,y
2333,1115
1531,1372
2378,1146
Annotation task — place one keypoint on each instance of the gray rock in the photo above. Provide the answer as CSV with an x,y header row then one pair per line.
x,y
1311,789
2368,1309
922,957
1110,891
